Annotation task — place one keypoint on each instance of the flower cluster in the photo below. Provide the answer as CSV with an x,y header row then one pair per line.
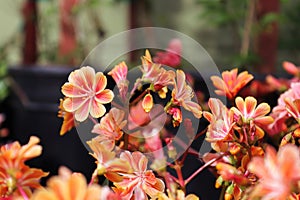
x,y
255,148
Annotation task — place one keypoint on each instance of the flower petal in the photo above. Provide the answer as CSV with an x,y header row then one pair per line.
x,y
289,160
180,81
265,120
97,109
77,183
45,195
262,109
77,78
71,90
250,103
72,104
194,107
89,76
106,96
100,82
240,104
83,112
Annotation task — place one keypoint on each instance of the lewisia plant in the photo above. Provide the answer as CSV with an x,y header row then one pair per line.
x,y
255,153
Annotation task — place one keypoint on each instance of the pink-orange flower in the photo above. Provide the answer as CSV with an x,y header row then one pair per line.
x,y
176,116
277,84
155,74
293,108
165,78
149,69
231,83
172,56
279,112
252,115
68,122
278,174
291,68
221,124
86,93
15,176
182,95
141,182
71,186
110,127
119,74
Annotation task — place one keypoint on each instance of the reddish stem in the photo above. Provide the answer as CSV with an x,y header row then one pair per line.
x,y
202,168
93,120
177,168
201,133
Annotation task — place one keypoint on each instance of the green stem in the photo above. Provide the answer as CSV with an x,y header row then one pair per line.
x,y
222,193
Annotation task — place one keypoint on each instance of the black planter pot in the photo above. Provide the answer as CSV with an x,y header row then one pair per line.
x,y
34,112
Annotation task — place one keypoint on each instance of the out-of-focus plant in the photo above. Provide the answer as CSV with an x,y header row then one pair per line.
x,y
239,17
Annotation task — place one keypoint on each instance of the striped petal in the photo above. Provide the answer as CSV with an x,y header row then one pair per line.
x,y
100,82
77,78
240,104
97,109
71,90
89,76
262,109
250,104
106,96
83,112
73,104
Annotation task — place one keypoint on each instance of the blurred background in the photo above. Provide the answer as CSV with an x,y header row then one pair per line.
x,y
41,41
235,33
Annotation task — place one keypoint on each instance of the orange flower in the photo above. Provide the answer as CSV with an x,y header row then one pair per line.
x,y
231,83
68,117
278,174
149,69
69,186
110,127
106,159
141,182
230,173
252,115
119,73
15,176
182,95
86,93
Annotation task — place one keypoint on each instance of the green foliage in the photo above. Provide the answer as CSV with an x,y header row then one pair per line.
x,y
289,39
223,12
3,83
